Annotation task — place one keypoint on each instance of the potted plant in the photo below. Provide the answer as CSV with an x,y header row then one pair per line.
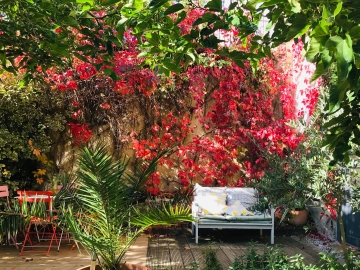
x,y
102,206
286,183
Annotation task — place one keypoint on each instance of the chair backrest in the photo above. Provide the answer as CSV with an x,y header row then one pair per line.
x,y
4,192
35,196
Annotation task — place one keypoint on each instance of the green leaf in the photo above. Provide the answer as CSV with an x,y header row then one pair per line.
x,y
214,5
298,23
267,50
212,42
234,20
207,31
178,58
109,2
109,47
191,55
168,64
91,2
355,32
115,41
142,54
233,5
295,6
320,33
313,50
326,58
270,3
156,4
197,22
344,54
334,103
181,17
319,71
108,71
357,60
238,58
173,9
81,57
338,8
344,58
138,5
70,21
333,42
209,17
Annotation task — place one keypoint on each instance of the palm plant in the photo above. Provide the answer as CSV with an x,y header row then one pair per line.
x,y
102,212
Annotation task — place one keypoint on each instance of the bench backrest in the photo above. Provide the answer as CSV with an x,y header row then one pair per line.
x,y
247,196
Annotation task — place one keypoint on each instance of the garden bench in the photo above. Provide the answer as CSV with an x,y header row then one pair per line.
x,y
229,208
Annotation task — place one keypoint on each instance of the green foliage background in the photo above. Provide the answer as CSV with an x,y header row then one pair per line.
x,y
27,113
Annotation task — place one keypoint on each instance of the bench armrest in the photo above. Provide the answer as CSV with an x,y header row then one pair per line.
x,y
194,209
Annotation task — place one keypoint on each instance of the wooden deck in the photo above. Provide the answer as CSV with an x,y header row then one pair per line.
x,y
175,248
172,248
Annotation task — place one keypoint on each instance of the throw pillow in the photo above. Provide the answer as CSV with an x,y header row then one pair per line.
x,y
200,190
212,197
247,196
237,209
211,208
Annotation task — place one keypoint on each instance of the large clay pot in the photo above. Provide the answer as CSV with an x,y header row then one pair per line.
x,y
298,217
126,266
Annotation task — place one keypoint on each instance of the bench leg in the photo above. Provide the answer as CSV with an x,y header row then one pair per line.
x,y
272,226
261,232
196,234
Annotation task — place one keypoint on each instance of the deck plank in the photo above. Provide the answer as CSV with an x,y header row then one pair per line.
x,y
175,248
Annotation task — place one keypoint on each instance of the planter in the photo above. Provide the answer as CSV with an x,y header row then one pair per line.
x,y
126,266
298,217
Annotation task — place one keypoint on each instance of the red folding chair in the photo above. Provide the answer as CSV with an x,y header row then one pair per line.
x,y
43,225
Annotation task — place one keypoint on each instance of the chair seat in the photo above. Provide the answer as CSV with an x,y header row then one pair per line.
x,y
39,225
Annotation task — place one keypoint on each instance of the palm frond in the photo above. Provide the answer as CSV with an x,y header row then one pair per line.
x,y
99,212
164,214
140,174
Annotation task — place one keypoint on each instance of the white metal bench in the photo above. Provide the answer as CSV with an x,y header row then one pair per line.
x,y
247,197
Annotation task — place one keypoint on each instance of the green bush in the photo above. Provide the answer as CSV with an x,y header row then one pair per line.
x,y
275,259
28,113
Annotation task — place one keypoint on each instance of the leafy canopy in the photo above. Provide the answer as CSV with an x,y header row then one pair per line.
x,y
50,33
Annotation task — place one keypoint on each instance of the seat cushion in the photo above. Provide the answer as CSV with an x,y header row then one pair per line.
x,y
212,218
258,218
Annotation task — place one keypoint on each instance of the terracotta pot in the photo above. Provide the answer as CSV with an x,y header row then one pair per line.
x,y
298,217
126,266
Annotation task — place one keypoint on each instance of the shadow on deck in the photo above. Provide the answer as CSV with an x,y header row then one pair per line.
x,y
175,248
